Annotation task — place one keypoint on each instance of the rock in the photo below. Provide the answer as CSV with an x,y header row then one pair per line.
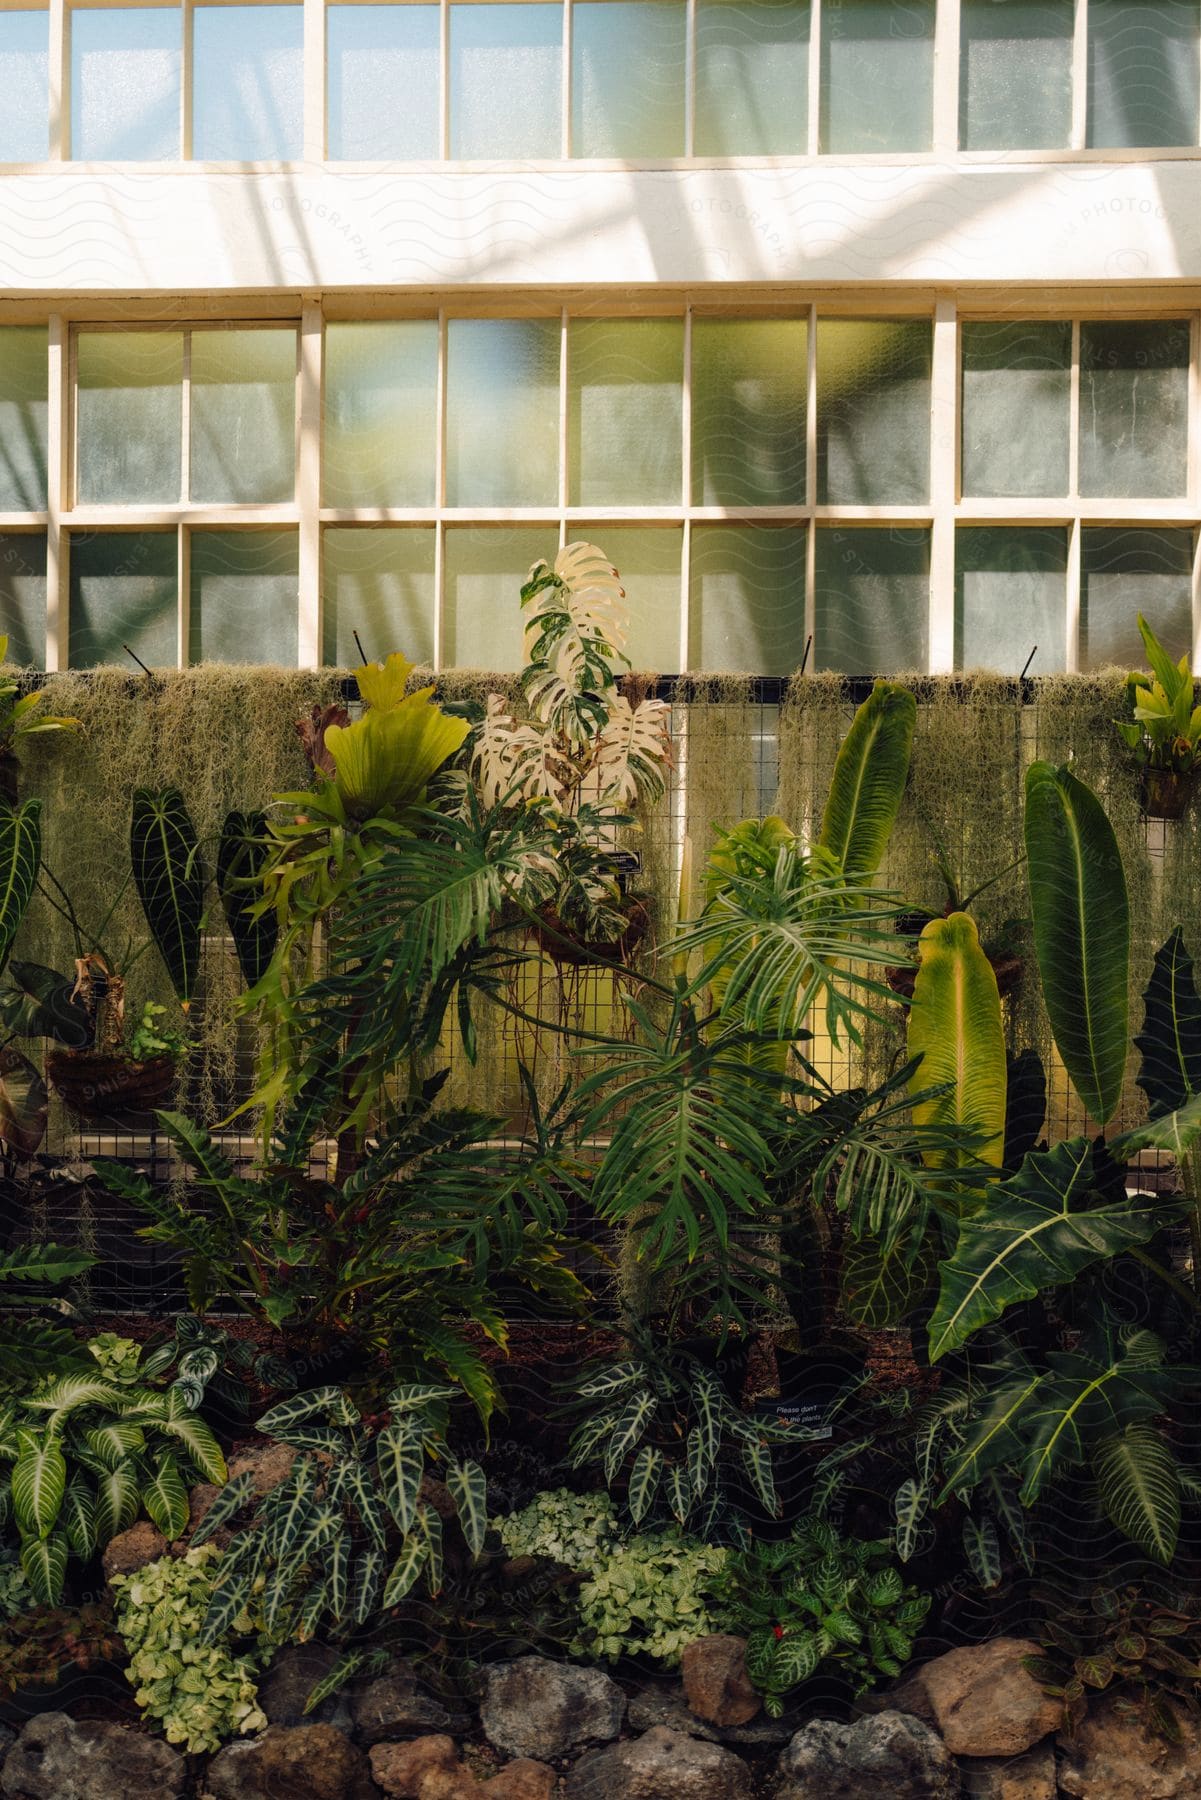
x,y
537,1708
666,1706
57,1758
313,1761
985,1703
1027,1777
133,1549
1114,1757
294,1673
268,1464
393,1706
455,1783
200,1498
400,1769
660,1765
8,1738
522,1779
715,1680
887,1753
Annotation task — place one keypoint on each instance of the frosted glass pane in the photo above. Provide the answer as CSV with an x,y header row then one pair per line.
x,y
23,596
484,569
873,410
624,400
748,411
125,65
247,83
1010,594
752,78
245,597
1142,72
747,607
129,415
1134,408
1123,573
25,84
506,70
243,415
1016,405
23,379
380,413
627,73
124,589
380,584
502,412
1015,75
382,64
877,76
648,562
872,594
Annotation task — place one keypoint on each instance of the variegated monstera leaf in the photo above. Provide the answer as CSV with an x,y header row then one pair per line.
x,y
633,752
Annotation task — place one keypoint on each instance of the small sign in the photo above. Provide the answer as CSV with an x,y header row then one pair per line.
x,y
799,1415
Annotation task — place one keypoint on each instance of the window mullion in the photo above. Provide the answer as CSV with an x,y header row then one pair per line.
x,y
810,478
1079,136
565,81
440,491
308,484
444,79
57,495
313,126
185,83
943,389
686,479
690,78
815,76
185,416
946,78
58,23
183,550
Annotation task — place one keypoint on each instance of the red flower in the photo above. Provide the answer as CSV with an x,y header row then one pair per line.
x,y
779,1630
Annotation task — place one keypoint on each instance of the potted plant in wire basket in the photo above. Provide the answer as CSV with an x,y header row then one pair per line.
x,y
583,758
1165,731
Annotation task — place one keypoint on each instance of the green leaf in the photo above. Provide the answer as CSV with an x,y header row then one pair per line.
x,y
869,779
1081,932
1170,1040
229,1597
24,1103
400,1460
796,1659
166,1498
757,1458
195,1436
645,1476
1136,1473
312,1610
613,1380
628,1429
117,1501
416,1394
678,1489
338,1578
241,854
362,1490
44,1561
73,1390
169,877
298,1408
232,1498
1038,1230
78,1519
39,1481
405,1571
469,1491
346,1665
20,859
368,1569
956,1034
429,1530
909,1506
982,1549
112,1443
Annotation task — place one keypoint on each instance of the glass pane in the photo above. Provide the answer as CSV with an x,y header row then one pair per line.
x,y
1017,382
1010,594
124,589
1142,72
648,562
1134,408
24,373
627,75
245,597
247,83
624,417
872,593
129,412
125,66
752,78
23,596
1015,75
748,411
383,83
381,389
877,76
243,415
506,70
380,584
502,412
25,84
747,606
873,410
1127,572
484,569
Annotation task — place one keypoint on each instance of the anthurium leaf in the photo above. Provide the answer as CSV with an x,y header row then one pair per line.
x,y
1037,1230
1081,916
170,879
1170,1040
869,779
957,1039
241,854
1140,1489
20,859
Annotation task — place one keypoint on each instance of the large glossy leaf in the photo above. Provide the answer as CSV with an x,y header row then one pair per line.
x,y
469,1491
1037,1230
78,1519
231,1499
955,1029
24,1103
166,1498
44,1561
384,759
43,1262
869,779
1170,1040
116,1501
169,876
39,1481
240,857
401,1462
41,1003
1081,919
195,1436
20,859
1140,1488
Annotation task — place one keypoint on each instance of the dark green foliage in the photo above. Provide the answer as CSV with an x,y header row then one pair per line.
x,y
29,1347
1137,1644
50,1642
241,856
169,877
20,858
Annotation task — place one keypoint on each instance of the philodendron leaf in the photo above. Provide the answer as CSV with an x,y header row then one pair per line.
x,y
869,779
1081,916
1036,1230
170,879
956,1035
1140,1488
1170,1040
20,858
240,857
